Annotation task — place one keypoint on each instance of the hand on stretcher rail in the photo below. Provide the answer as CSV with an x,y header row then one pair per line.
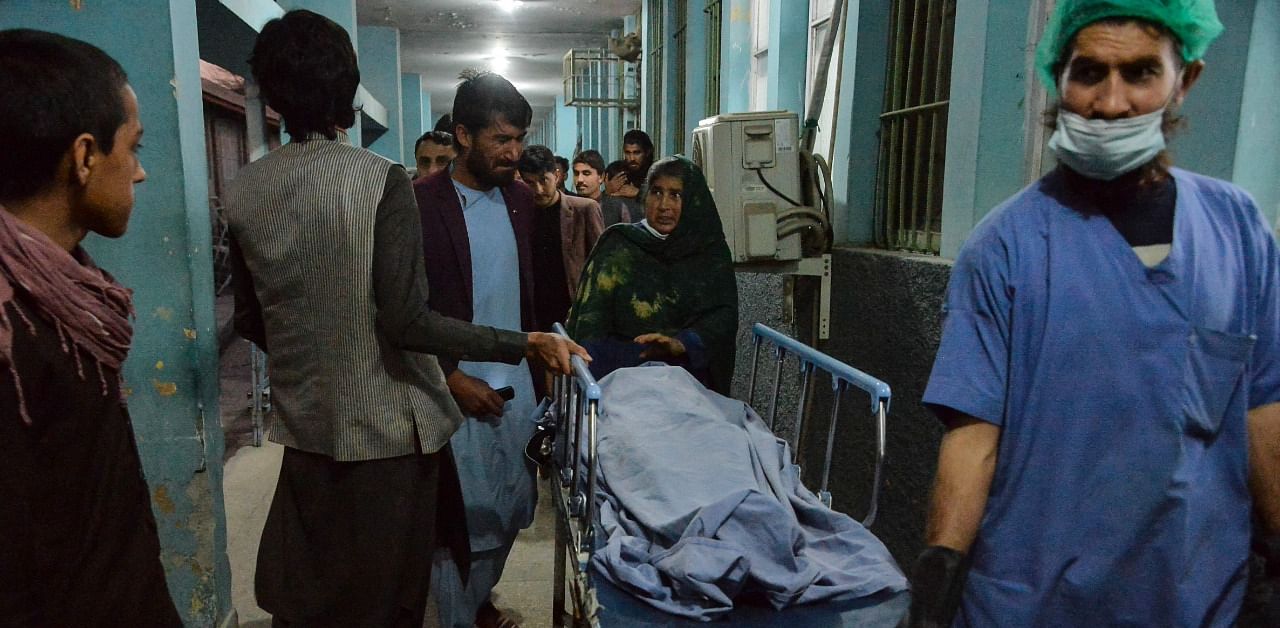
x,y
554,351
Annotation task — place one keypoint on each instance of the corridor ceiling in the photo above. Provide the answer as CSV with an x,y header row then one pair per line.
x,y
440,38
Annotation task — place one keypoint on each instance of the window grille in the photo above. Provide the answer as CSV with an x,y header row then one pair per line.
x,y
597,78
714,11
653,82
913,127
681,39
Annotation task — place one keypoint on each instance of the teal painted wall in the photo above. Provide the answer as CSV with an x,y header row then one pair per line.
x,y
171,374
735,56
861,100
985,128
695,75
412,114
1257,160
1207,145
379,52
566,129
667,137
788,52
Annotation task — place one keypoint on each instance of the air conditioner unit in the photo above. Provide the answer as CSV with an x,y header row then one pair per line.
x,y
752,165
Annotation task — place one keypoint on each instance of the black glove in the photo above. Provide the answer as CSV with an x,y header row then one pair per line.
x,y
937,581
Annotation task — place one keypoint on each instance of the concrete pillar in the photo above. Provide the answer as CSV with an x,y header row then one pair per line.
x,y
379,52
171,374
1256,159
861,97
788,52
986,135
735,56
566,128
695,74
666,140
413,114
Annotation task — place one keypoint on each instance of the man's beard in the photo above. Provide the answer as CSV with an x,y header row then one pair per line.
x,y
485,172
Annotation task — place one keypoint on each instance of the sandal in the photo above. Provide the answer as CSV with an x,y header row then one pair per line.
x,y
490,617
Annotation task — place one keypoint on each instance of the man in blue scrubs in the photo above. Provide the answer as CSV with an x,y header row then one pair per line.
x,y
1109,372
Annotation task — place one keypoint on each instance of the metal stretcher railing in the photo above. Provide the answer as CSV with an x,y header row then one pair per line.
x,y
575,412
842,376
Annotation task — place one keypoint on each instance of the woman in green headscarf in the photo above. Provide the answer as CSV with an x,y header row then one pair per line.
x,y
662,289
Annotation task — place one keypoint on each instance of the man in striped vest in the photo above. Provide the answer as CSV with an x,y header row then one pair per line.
x,y
330,283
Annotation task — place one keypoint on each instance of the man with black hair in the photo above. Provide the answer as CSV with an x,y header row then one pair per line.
x,y
434,151
78,541
619,204
588,174
445,124
565,229
477,224
562,175
326,259
637,151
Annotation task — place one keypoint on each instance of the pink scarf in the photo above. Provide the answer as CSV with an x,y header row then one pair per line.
x,y
88,308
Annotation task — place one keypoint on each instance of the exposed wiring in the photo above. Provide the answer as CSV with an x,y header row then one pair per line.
x,y
760,173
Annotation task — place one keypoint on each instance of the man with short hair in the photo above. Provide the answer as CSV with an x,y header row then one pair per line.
x,y
477,223
562,175
588,174
78,542
1109,372
329,281
619,204
637,151
434,151
565,229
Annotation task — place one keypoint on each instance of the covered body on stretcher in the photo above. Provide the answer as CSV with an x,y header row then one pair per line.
x,y
699,515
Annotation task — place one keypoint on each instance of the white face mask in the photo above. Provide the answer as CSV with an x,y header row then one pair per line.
x,y
1107,149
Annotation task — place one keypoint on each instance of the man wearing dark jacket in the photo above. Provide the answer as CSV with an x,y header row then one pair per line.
x,y
565,229
476,227
78,542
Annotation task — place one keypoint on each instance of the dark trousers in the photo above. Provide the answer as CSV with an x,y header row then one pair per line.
x,y
350,543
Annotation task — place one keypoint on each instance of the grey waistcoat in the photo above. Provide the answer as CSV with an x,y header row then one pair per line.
x,y
303,217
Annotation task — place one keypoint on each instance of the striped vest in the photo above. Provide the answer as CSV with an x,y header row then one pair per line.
x,y
303,217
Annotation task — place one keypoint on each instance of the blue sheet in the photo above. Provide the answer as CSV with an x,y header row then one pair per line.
x,y
700,505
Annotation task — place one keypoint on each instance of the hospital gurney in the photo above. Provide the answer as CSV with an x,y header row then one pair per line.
x,y
582,597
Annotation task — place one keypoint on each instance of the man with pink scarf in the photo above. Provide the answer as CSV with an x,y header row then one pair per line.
x,y
78,542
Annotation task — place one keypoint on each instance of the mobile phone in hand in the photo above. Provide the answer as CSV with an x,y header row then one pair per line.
x,y
506,392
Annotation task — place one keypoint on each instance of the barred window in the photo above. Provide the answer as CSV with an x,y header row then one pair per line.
x,y
715,13
913,127
653,82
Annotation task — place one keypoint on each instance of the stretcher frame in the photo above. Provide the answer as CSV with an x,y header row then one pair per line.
x,y
575,410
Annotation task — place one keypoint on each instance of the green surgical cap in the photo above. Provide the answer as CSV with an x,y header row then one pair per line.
x,y
1194,22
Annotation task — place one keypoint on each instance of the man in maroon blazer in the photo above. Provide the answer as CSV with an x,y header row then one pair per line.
x,y
477,222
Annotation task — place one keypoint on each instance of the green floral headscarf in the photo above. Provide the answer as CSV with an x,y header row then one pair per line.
x,y
635,283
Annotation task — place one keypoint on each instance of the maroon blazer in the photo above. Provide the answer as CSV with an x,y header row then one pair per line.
x,y
447,250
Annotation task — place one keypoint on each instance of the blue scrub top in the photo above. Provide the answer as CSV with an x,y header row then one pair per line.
x,y
1120,495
